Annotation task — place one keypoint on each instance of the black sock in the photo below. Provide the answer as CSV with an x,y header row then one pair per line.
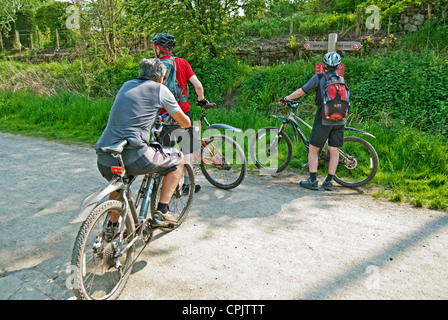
x,y
163,207
329,178
313,176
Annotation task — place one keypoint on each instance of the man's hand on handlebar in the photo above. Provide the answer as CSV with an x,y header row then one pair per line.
x,y
205,104
282,101
289,103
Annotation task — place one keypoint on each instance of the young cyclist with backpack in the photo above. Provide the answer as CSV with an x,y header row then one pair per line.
x,y
332,97
181,72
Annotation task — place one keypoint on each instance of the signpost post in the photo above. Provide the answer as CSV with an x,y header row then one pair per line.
x,y
332,45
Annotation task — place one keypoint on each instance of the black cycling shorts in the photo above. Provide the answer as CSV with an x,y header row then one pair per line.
x,y
187,139
321,133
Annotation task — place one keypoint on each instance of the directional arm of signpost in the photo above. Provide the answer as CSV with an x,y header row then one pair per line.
x,y
332,45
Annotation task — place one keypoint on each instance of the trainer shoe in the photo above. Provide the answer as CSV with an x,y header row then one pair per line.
x,y
312,185
164,219
327,185
186,188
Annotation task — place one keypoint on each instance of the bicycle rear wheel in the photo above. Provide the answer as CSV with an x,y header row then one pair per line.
x,y
271,150
358,163
100,271
181,200
223,162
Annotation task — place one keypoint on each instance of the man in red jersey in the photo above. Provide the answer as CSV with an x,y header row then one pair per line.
x,y
163,44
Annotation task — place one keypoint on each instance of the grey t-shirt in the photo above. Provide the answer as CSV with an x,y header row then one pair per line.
x,y
313,84
134,112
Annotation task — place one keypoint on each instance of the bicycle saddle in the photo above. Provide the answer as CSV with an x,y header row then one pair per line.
x,y
115,148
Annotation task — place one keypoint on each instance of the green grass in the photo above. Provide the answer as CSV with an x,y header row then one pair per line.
x,y
62,117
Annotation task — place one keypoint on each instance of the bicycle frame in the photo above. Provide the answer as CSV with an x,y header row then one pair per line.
x,y
121,182
207,143
117,183
293,121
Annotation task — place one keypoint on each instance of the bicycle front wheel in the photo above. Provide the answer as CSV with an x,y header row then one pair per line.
x,y
271,150
181,200
101,269
358,163
223,162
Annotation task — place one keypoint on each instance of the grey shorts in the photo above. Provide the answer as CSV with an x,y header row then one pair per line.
x,y
321,133
152,159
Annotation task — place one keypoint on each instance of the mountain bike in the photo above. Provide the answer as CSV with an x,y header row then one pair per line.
x,y
103,255
221,159
271,150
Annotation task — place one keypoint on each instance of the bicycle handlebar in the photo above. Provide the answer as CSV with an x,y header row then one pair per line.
x,y
293,104
208,105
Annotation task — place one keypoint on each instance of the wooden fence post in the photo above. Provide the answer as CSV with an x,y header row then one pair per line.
x,y
332,40
388,26
38,39
18,41
145,38
358,22
57,39
291,25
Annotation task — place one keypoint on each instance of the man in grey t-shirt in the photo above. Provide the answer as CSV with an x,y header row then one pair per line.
x,y
323,129
131,118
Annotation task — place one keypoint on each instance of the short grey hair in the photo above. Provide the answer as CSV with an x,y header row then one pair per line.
x,y
151,69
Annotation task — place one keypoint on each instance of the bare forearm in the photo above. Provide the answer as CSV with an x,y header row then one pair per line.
x,y
197,87
296,94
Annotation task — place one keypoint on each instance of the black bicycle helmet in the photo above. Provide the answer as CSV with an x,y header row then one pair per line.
x,y
164,40
332,60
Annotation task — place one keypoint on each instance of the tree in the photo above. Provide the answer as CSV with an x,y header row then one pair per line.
x,y
202,27
109,20
10,12
10,8
52,16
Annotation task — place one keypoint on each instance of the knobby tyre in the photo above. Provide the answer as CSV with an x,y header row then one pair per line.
x,y
95,259
271,150
181,200
358,163
223,162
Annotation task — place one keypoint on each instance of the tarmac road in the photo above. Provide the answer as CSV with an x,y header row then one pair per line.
x,y
267,239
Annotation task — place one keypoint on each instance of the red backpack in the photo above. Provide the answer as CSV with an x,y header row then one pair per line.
x,y
335,99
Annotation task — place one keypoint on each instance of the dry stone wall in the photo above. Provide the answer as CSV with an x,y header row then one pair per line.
x,y
413,18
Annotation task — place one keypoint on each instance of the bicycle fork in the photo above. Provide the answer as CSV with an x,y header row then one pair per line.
x,y
274,145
